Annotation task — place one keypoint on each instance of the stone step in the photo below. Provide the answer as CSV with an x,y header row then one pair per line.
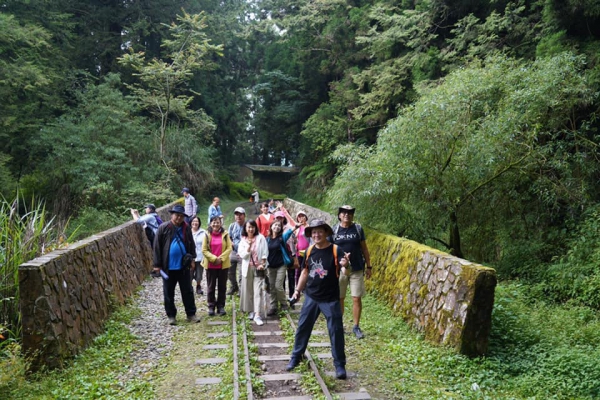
x,y
215,346
218,323
217,335
273,345
289,398
210,361
281,357
323,355
280,377
268,333
208,381
322,344
354,396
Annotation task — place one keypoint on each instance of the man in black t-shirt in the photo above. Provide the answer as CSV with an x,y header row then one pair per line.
x,y
319,280
351,239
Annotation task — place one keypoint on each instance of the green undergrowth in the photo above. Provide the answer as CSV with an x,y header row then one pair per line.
x,y
536,351
93,374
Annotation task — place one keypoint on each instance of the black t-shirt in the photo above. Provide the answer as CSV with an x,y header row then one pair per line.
x,y
349,241
323,283
275,258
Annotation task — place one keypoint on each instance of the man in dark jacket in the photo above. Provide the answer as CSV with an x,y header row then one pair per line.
x,y
172,242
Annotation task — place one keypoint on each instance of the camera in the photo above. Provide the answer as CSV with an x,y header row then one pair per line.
x,y
292,301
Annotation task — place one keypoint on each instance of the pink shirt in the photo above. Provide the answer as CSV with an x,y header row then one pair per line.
x,y
302,240
216,248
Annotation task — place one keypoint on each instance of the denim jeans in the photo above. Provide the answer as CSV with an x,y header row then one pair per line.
x,y
332,311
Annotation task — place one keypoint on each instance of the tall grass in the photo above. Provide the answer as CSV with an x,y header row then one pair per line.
x,y
25,233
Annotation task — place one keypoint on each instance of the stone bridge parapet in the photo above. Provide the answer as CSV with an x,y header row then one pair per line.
x,y
448,299
67,295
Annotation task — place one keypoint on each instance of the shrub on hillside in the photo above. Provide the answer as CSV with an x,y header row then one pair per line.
x,y
575,277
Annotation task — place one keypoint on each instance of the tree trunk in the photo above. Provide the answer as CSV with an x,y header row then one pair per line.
x,y
455,248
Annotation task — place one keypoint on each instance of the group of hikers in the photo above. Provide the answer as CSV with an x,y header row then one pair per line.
x,y
273,251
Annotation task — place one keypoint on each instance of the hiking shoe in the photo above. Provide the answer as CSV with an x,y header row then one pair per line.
x,y
251,316
211,311
172,321
222,311
258,321
357,332
340,373
199,290
272,311
292,364
193,319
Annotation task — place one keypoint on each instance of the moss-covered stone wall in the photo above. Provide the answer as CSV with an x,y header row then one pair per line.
x,y
67,295
448,299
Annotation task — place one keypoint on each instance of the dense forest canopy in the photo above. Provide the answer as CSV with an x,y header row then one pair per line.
x,y
467,125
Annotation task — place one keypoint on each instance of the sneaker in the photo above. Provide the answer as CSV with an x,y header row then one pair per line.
x,y
251,316
258,321
172,321
199,290
222,311
340,373
193,319
357,332
211,311
292,364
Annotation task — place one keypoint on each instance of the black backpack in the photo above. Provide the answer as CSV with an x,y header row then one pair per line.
x,y
150,235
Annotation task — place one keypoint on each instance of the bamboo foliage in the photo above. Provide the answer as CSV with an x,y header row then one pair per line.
x,y
25,233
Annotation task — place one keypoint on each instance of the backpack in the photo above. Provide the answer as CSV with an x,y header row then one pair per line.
x,y
335,258
158,220
150,235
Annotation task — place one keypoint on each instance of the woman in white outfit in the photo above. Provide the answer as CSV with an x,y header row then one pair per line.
x,y
197,271
253,252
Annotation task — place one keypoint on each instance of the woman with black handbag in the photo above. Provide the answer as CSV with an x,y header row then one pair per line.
x,y
278,259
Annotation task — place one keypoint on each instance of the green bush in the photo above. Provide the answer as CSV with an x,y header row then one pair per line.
x,y
575,276
90,221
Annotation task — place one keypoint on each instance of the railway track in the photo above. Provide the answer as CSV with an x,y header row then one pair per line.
x,y
259,355
265,354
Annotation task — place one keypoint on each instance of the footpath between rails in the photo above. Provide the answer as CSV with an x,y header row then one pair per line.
x,y
184,360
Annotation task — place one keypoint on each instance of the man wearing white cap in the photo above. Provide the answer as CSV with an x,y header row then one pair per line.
x,y
235,234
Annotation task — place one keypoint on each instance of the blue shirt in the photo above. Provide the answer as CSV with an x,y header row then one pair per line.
x,y
177,250
213,212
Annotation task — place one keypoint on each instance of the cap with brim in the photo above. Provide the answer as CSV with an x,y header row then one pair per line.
x,y
346,208
178,210
279,214
185,190
318,223
151,206
299,213
239,210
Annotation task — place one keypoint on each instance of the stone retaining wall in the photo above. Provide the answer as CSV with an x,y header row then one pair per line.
x,y
448,299
67,295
